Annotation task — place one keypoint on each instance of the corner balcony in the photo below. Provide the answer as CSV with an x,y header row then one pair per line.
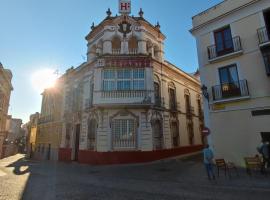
x,y
123,98
230,91
159,102
263,37
214,55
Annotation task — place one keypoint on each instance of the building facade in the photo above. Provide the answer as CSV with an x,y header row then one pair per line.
x,y
5,91
49,127
31,129
14,136
126,103
233,51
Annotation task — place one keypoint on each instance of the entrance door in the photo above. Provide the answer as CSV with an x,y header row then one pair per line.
x,y
157,134
77,141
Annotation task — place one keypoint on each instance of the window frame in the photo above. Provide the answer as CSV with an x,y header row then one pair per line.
x,y
116,79
224,50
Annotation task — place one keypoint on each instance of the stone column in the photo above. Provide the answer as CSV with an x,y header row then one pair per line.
x,y
142,47
124,46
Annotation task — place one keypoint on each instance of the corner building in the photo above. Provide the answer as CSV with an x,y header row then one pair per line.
x,y
126,103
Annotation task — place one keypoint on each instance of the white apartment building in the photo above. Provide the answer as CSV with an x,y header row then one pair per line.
x,y
234,61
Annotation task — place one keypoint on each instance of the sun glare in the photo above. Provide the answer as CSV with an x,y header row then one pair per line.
x,y
44,78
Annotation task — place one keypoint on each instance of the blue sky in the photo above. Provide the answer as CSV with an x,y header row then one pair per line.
x,y
37,34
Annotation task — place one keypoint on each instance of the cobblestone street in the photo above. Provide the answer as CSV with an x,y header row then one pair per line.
x,y
174,179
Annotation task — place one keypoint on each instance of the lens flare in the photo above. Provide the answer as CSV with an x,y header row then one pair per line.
x,y
44,78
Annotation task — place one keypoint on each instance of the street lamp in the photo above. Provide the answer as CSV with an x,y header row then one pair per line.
x,y
204,92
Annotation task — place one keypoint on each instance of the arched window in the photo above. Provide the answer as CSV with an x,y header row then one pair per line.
x,y
157,91
172,96
187,101
133,45
116,45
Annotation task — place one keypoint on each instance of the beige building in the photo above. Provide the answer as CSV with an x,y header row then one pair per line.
x,y
31,129
126,103
14,135
49,128
234,58
5,90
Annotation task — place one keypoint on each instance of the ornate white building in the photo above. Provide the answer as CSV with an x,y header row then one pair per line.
x,y
126,103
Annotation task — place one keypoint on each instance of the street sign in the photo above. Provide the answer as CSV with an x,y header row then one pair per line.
x,y
206,131
124,6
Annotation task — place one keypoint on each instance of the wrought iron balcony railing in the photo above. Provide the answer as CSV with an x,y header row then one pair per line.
x,y
263,35
159,102
173,106
230,90
213,51
45,119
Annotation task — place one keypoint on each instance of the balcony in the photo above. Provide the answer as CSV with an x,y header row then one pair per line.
x,y
46,119
133,51
190,111
116,51
215,55
173,106
88,104
231,91
263,37
159,102
123,97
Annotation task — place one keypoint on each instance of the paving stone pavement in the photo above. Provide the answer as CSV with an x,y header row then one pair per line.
x,y
171,179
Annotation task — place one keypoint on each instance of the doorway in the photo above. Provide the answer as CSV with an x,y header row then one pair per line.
x,y
77,141
175,134
157,134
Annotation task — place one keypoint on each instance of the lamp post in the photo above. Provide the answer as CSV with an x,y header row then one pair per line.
x,y
204,92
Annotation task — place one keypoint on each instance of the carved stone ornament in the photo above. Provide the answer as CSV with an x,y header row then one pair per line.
x,y
124,27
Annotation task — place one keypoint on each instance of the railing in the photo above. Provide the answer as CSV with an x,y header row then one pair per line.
x,y
159,102
230,90
116,51
190,110
133,51
88,104
173,105
201,116
263,35
45,119
214,53
125,93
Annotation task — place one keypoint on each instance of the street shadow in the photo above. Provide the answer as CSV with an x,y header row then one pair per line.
x,y
21,167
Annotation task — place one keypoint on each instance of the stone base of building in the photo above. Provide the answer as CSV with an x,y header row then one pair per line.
x,y
125,157
46,155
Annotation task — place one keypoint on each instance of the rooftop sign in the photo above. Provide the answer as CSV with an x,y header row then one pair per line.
x,y
124,6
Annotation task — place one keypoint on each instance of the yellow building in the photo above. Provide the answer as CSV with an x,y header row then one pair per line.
x,y
31,127
49,127
5,90
234,56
